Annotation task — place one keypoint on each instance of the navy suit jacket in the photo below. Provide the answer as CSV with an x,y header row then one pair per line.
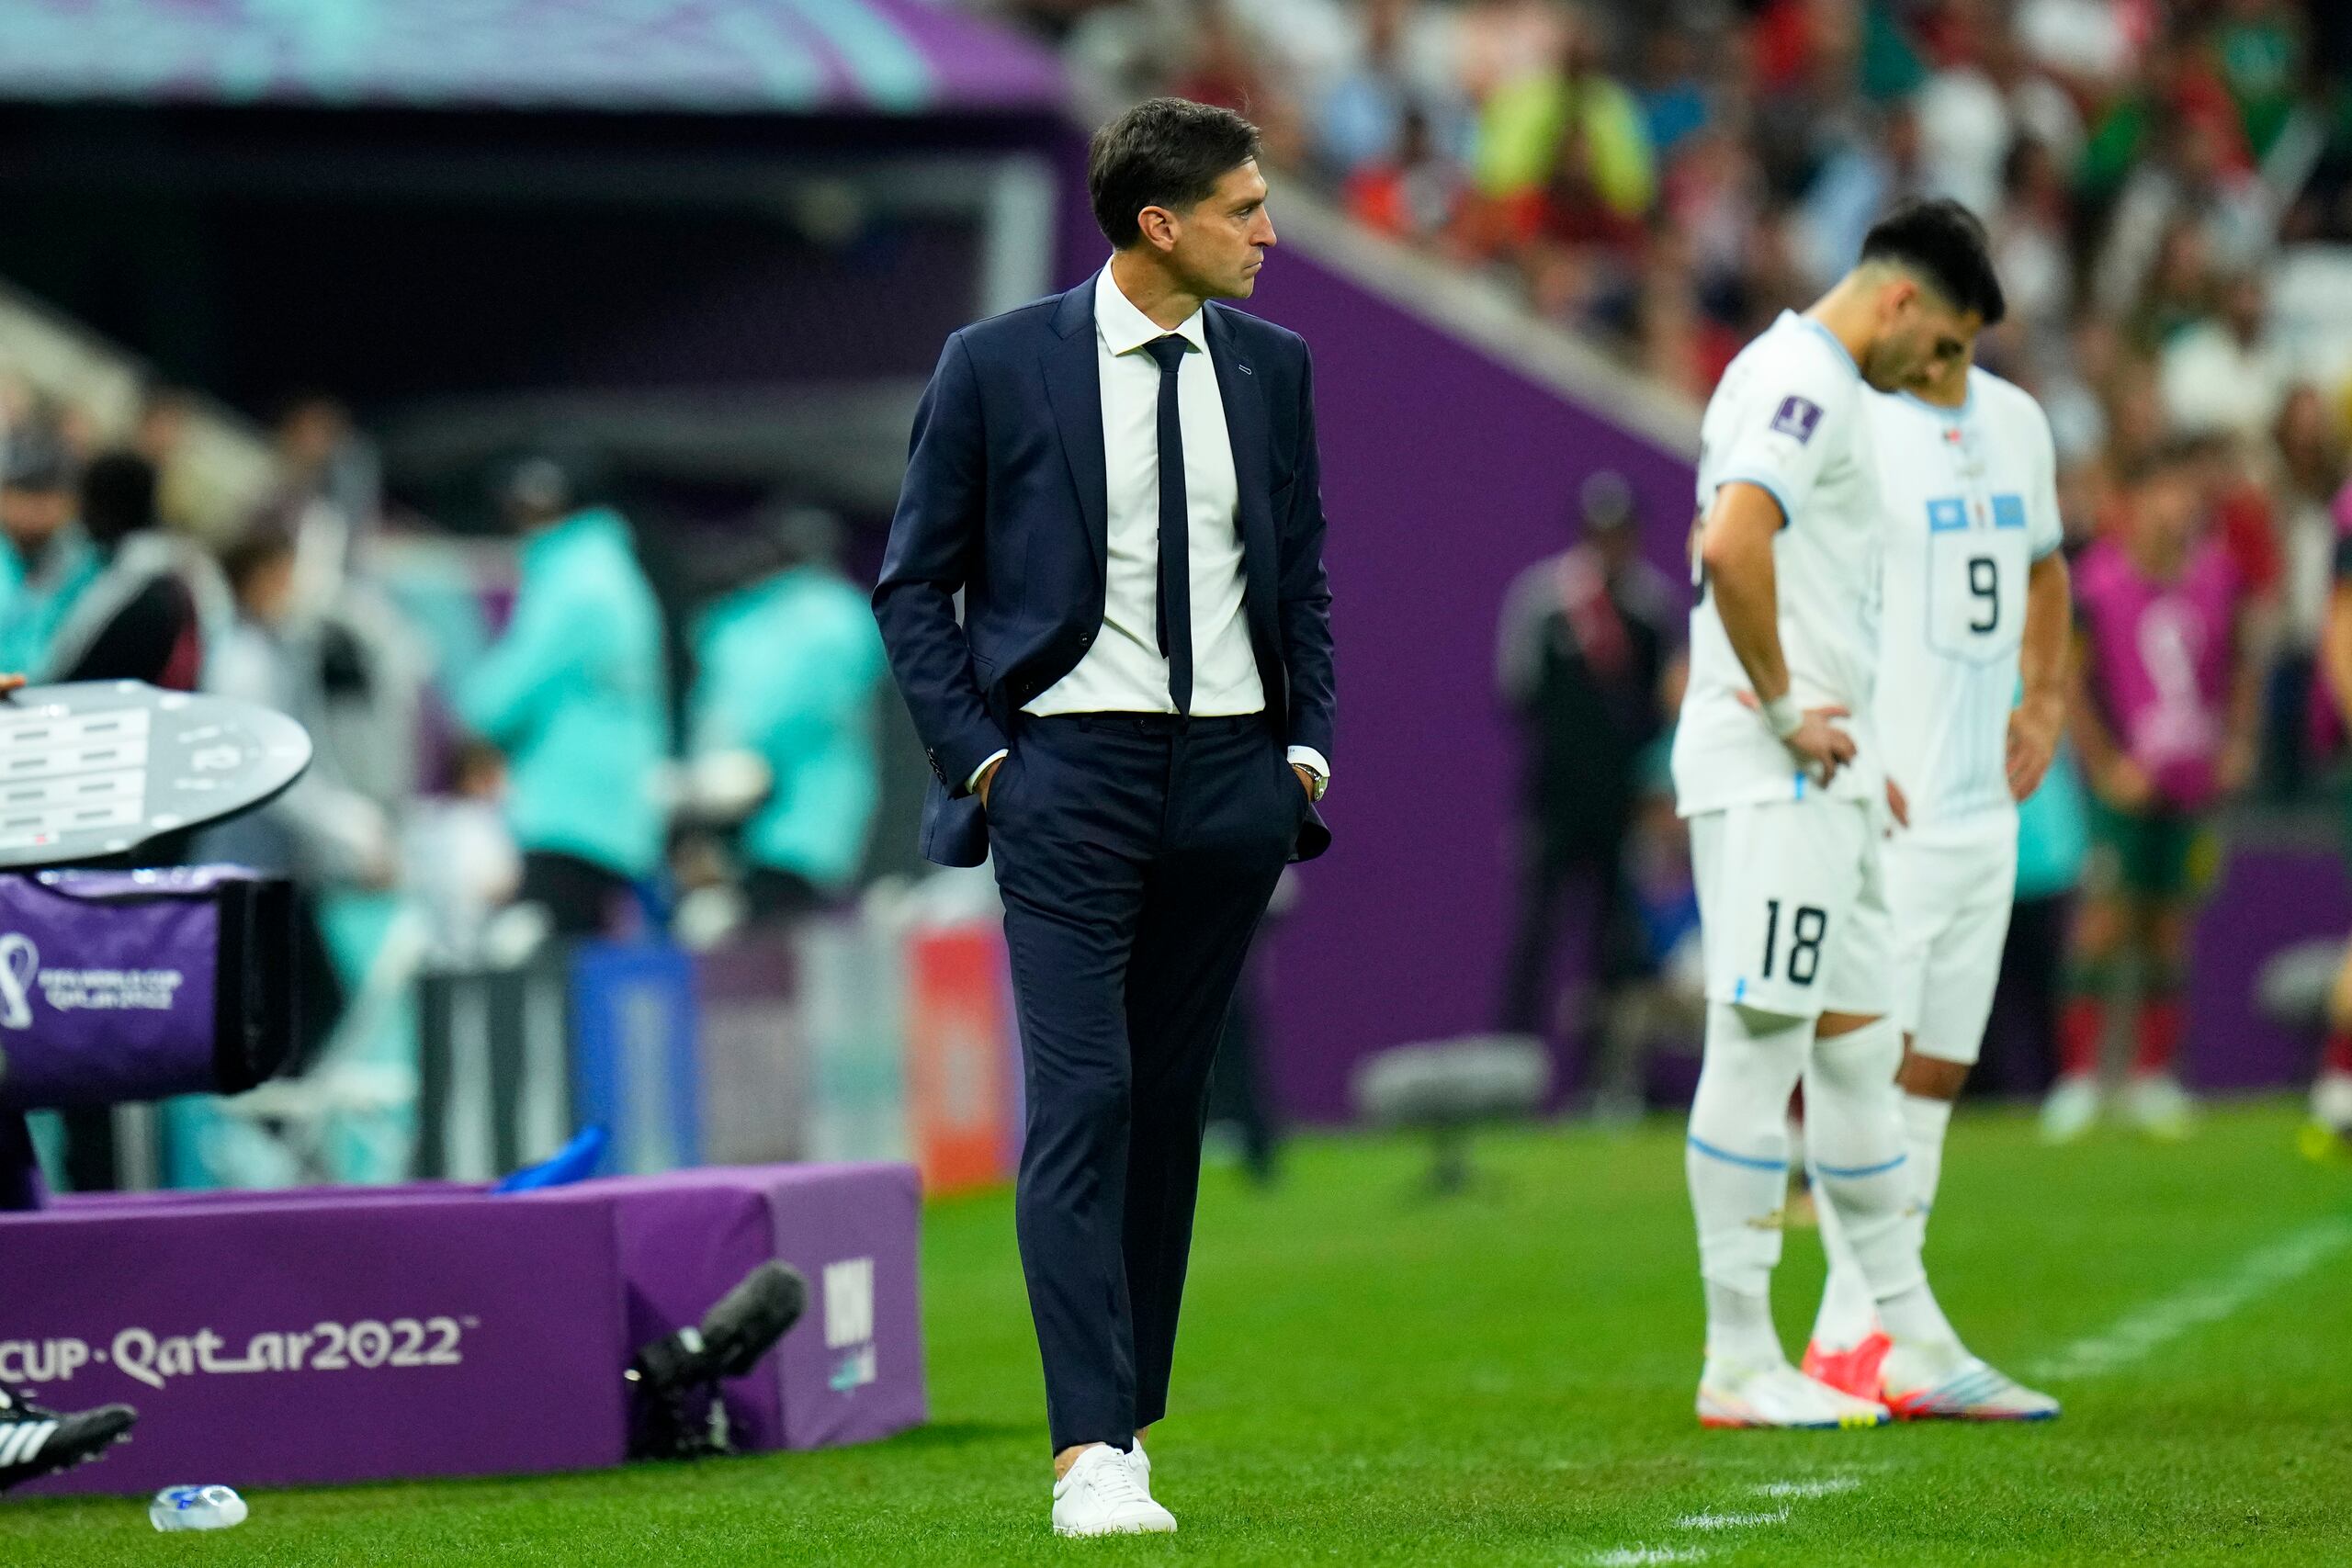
x,y
1006,500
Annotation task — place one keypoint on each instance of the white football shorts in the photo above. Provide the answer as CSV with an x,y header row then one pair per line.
x,y
1950,887
1792,906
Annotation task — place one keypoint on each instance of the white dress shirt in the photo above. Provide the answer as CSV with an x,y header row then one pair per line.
x,y
1122,669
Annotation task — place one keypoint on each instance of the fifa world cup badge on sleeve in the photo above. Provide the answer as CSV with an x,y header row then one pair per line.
x,y
1798,417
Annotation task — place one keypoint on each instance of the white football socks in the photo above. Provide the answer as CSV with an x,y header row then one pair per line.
x,y
1737,1164
1854,1132
1925,1121
1739,1328
1848,1311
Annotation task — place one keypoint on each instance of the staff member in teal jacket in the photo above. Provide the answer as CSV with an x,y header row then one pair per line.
x,y
787,669
575,694
46,560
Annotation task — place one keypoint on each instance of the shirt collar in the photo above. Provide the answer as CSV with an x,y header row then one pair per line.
x,y
1125,329
1941,411
1844,353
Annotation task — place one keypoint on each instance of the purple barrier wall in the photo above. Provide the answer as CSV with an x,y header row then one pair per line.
x,y
272,1340
343,1335
2268,899
850,1371
1444,472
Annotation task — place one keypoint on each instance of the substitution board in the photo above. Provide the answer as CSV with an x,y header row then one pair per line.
x,y
98,768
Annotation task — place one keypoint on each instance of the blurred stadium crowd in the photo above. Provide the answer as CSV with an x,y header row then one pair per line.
x,y
1664,179
473,792
292,598
1658,179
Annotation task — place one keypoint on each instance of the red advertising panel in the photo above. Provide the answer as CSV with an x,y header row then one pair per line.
x,y
960,1086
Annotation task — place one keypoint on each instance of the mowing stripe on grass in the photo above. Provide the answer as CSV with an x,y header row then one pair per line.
x,y
2151,1327
1825,1486
1730,1521
1829,1486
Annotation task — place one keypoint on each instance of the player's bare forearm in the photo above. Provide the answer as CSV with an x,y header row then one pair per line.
x,y
1736,548
2049,630
2040,715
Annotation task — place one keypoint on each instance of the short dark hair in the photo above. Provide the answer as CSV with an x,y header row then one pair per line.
x,y
1163,153
118,497
1942,242
269,542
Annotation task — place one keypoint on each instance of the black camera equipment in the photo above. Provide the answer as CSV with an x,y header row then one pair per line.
x,y
677,1411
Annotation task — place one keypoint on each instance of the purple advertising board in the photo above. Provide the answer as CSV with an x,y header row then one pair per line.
x,y
851,1370
326,1335
2269,899
268,1341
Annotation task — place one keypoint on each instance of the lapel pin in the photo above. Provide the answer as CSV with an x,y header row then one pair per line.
x,y
1243,366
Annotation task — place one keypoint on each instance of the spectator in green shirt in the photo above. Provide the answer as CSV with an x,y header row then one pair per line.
x,y
1526,122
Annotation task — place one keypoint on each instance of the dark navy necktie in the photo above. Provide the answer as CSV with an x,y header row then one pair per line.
x,y
1175,529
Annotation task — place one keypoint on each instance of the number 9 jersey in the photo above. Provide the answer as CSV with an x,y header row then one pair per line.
x,y
1971,499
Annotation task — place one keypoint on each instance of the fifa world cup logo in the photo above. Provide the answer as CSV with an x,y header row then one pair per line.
x,y
19,961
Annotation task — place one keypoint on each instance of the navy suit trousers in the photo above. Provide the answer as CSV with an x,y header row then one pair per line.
x,y
1135,854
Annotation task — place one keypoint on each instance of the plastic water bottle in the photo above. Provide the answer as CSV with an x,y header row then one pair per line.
x,y
196,1508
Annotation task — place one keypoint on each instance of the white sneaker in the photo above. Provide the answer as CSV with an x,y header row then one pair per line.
x,y
1944,1382
2327,1136
1104,1494
1731,1395
2159,1106
2331,1100
2070,1110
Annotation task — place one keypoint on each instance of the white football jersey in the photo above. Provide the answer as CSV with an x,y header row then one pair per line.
x,y
1972,503
1788,417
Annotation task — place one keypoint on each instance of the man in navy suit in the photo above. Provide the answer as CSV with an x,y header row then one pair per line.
x,y
1133,712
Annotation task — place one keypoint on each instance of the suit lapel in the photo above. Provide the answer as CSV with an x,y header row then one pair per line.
x,y
1074,387
1245,428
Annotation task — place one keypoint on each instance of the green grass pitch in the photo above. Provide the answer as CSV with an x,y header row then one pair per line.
x,y
1370,1377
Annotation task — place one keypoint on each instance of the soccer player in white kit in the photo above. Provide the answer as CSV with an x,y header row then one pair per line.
x,y
1786,804
1975,599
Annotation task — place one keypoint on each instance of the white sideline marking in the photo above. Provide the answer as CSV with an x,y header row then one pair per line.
x,y
2151,1327
1829,1486
1633,1556
1730,1521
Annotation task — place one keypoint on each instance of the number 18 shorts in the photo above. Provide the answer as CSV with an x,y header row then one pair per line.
x,y
1792,906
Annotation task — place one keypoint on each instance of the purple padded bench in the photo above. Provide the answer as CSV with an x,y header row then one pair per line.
x,y
362,1334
